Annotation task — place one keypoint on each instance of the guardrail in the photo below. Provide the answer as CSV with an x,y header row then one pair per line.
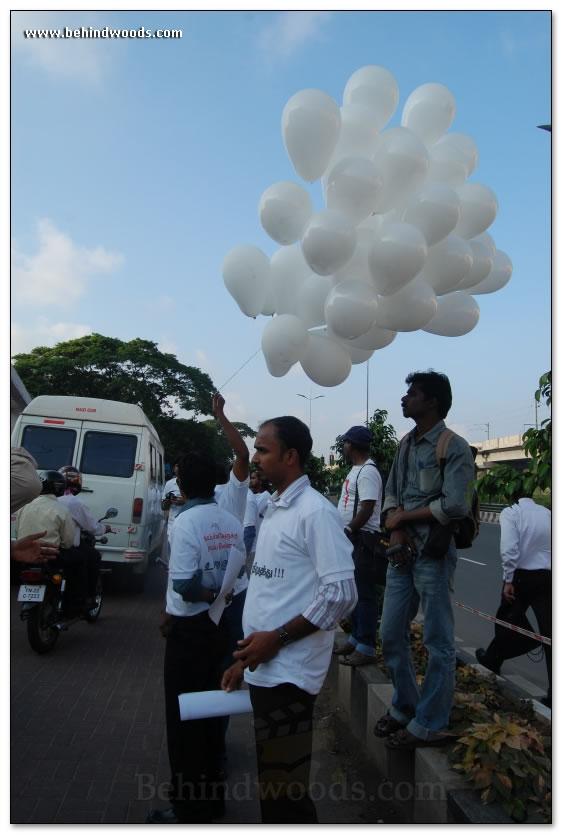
x,y
490,512
490,507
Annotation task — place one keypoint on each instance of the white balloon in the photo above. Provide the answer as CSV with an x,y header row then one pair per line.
x,y
457,314
325,361
429,111
403,160
284,341
357,355
396,256
435,210
329,241
246,273
483,251
453,159
375,88
358,133
408,309
310,130
353,185
357,266
479,207
351,307
269,307
448,263
374,339
284,210
289,271
497,278
311,300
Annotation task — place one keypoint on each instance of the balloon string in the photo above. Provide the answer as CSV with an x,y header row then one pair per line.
x,y
240,369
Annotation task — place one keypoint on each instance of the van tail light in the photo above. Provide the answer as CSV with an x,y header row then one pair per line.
x,y
137,510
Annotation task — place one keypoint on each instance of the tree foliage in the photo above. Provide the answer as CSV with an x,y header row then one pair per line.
x,y
181,435
505,484
106,367
319,475
382,449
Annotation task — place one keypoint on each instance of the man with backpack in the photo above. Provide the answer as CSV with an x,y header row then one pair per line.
x,y
428,495
360,509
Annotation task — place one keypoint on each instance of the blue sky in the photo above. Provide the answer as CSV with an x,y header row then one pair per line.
x,y
136,165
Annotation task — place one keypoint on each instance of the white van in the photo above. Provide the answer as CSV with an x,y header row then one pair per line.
x,y
118,452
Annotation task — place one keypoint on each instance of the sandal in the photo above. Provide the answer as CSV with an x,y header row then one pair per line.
x,y
403,740
345,649
386,725
357,659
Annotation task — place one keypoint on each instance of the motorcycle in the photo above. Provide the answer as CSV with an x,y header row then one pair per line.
x,y
42,594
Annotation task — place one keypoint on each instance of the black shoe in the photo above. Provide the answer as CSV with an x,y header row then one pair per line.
x,y
481,656
162,816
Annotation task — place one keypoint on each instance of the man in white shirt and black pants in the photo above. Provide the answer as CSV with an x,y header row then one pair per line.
x,y
301,584
525,550
360,509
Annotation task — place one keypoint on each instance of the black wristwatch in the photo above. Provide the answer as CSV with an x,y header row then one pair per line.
x,y
284,637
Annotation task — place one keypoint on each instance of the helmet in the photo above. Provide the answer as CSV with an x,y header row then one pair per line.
x,y
73,478
53,482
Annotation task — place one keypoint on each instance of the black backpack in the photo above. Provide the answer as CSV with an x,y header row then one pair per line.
x,y
467,529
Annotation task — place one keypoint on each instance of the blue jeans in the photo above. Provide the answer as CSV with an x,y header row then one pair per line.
x,y
425,710
364,619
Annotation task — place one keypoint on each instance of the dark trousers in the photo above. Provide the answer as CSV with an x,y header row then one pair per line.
x,y
531,588
364,617
283,730
233,620
194,649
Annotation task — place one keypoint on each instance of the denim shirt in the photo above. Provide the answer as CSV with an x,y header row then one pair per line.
x,y
415,480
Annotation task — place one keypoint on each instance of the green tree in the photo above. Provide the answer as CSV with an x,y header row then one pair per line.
x,y
319,475
382,449
505,484
132,372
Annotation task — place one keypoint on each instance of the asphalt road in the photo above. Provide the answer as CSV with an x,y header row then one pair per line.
x,y
478,584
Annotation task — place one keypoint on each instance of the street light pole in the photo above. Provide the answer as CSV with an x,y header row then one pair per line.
x,y
483,426
310,399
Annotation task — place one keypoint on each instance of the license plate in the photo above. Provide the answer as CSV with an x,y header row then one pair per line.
x,y
31,594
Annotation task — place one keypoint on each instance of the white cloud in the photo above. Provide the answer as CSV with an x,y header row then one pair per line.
x,y
59,272
291,30
78,59
44,333
202,360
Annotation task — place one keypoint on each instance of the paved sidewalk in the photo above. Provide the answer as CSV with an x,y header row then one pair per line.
x,y
88,737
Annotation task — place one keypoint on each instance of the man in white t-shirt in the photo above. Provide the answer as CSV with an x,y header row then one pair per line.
x,y
360,509
172,502
301,584
206,538
262,495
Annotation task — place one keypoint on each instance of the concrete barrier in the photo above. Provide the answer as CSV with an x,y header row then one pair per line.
x,y
421,783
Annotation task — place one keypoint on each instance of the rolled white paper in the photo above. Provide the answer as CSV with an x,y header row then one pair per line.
x,y
208,703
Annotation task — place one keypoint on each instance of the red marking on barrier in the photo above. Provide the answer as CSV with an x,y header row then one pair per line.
x,y
514,628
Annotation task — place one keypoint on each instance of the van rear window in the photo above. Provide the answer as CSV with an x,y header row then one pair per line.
x,y
52,448
108,453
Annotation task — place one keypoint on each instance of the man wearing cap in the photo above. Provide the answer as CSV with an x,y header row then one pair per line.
x,y
360,507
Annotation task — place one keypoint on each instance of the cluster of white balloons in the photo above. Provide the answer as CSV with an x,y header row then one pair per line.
x,y
401,245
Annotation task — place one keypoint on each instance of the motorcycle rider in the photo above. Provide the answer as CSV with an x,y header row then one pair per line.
x,y
86,527
46,514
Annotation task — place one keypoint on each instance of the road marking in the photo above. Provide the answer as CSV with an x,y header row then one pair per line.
x,y
473,561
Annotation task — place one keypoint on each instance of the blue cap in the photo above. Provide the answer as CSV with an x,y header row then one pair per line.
x,y
359,435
